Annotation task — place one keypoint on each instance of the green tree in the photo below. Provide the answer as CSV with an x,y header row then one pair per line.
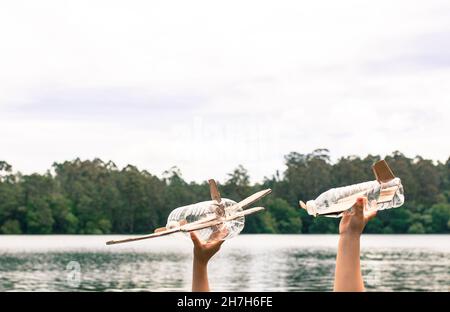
x,y
324,225
440,214
238,184
416,228
286,218
11,227
96,197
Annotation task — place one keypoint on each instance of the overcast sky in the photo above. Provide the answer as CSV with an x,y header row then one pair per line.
x,y
208,85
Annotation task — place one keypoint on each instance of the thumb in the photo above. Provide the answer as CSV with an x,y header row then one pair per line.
x,y
195,239
358,207
371,215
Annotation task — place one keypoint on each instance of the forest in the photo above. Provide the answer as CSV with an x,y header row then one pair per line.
x,y
97,197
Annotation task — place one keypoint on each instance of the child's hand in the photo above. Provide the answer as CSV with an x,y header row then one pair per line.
x,y
204,251
354,221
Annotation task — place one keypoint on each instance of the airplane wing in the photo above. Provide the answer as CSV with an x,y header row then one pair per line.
x,y
244,213
250,200
387,194
194,227
162,229
341,205
185,227
204,220
184,222
132,239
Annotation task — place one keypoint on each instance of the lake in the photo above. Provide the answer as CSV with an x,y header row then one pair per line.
x,y
245,263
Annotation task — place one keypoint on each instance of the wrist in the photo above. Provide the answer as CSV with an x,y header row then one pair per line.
x,y
200,262
350,235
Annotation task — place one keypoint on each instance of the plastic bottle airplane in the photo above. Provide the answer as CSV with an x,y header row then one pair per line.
x,y
210,214
383,193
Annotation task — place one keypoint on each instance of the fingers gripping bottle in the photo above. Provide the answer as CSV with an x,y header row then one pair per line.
x,y
385,192
208,210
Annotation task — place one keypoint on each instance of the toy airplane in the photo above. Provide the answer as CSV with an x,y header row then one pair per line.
x,y
384,193
222,214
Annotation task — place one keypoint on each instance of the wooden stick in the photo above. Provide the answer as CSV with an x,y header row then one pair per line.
x,y
133,239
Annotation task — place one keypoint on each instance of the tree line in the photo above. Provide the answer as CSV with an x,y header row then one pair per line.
x,y
97,197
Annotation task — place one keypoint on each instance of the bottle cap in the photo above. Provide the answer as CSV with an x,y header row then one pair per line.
x,y
311,207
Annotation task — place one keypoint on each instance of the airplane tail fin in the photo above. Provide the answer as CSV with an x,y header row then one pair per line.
x,y
215,195
382,171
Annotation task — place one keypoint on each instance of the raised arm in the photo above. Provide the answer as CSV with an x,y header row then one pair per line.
x,y
348,275
202,254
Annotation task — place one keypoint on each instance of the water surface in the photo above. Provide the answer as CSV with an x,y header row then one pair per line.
x,y
245,263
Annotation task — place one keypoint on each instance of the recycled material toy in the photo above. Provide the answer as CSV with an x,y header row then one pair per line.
x,y
219,218
384,193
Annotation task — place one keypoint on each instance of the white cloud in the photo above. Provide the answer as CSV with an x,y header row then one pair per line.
x,y
207,86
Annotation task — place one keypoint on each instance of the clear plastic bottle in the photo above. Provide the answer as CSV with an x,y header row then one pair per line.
x,y
324,204
207,209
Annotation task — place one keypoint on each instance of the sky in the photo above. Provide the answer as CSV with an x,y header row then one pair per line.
x,y
208,85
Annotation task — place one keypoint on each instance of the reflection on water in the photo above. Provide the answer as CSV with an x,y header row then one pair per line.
x,y
245,263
